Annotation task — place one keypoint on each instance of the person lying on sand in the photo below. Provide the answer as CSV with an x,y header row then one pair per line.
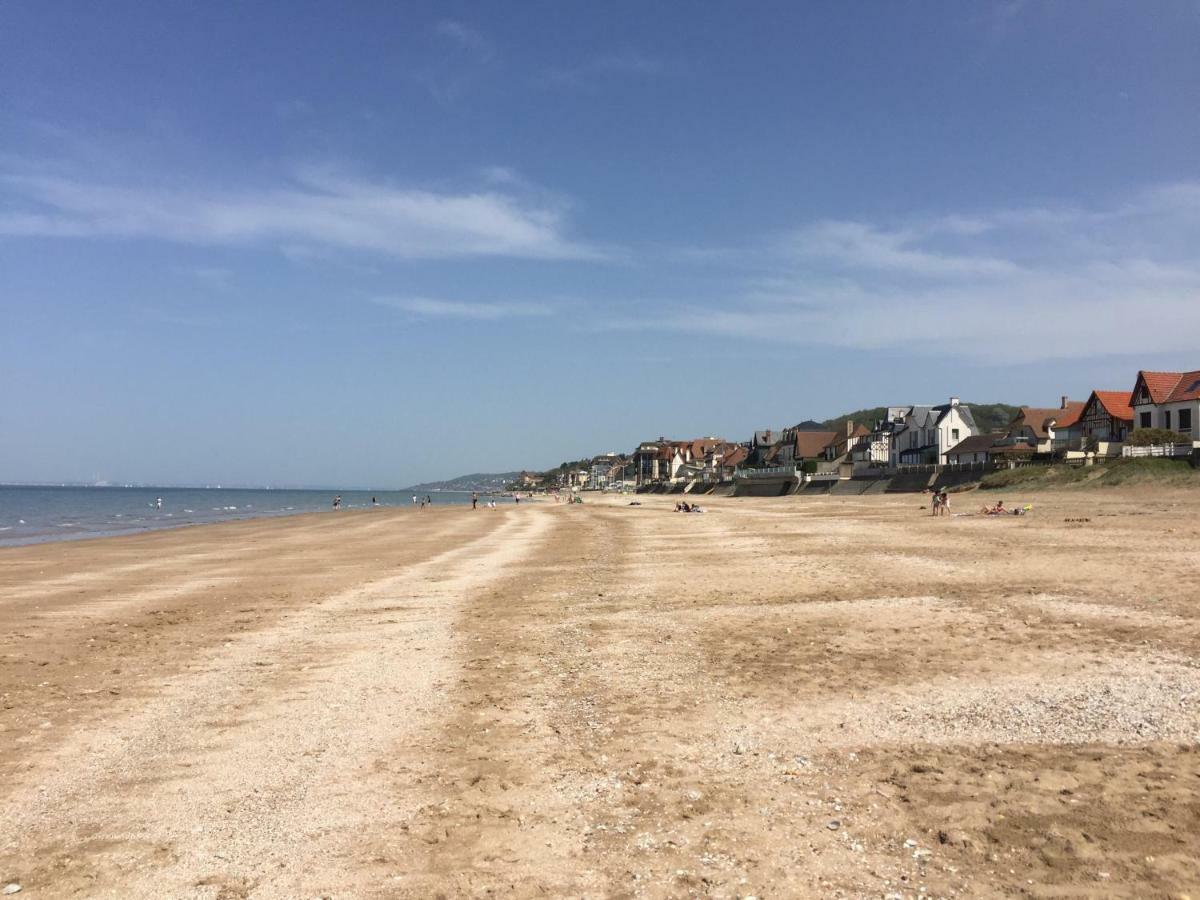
x,y
997,510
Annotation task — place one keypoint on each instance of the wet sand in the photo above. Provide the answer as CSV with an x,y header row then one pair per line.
x,y
779,698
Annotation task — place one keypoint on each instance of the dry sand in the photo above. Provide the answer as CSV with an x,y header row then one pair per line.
x,y
780,698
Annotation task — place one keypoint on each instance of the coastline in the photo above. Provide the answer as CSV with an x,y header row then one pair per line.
x,y
34,515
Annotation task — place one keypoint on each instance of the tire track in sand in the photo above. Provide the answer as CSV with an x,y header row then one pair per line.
x,y
255,774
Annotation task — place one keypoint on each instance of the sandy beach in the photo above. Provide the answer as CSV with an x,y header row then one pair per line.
x,y
778,698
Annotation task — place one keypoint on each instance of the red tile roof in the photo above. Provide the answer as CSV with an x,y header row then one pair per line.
x,y
1115,403
1037,418
1171,387
1069,414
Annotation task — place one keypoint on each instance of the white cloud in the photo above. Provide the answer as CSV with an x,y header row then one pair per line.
x,y
1014,285
862,246
427,307
316,209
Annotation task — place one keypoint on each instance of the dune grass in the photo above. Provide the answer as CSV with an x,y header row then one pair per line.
x,y
1170,472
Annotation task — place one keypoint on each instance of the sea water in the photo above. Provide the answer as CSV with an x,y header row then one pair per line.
x,y
33,514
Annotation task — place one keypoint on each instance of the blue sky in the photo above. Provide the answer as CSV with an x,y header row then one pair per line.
x,y
375,243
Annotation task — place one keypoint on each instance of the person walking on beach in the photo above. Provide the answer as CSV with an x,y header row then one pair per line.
x,y
943,504
474,500
935,502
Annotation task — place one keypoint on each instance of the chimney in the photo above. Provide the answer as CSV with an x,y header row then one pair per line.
x,y
1064,402
849,427
954,401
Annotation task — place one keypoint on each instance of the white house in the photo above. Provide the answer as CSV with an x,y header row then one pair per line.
x,y
923,434
1169,400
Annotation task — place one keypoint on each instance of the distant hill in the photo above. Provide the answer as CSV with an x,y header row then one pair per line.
x,y
480,481
988,416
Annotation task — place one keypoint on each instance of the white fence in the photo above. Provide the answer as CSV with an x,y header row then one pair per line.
x,y
1169,450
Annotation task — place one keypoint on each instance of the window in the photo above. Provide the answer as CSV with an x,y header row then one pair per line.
x,y
1144,420
1167,419
1185,420
954,435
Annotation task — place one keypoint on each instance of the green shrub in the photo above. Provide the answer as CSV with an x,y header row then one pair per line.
x,y
1144,437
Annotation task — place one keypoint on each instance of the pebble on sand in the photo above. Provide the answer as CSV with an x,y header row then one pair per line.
x,y
13,888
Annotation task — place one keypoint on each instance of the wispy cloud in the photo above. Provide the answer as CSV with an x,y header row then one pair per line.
x,y
466,37
427,307
1014,285
315,209
622,64
463,57
858,245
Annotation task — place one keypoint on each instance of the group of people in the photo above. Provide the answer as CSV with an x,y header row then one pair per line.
x,y
1001,510
941,504
684,506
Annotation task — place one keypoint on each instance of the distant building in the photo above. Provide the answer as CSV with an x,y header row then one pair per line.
x,y
1169,400
916,435
664,460
1107,417
1042,430
972,450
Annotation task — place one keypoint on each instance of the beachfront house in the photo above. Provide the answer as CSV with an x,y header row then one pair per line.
x,y
811,445
972,450
531,480
1105,422
722,460
607,471
652,461
921,435
850,444
1169,400
876,449
664,461
1041,430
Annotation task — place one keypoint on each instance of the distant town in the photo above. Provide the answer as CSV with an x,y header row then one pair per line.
x,y
906,448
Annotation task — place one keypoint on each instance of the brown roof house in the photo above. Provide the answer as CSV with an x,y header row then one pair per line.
x,y
1041,429
973,450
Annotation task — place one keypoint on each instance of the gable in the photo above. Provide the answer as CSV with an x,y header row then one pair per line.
x,y
1157,387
